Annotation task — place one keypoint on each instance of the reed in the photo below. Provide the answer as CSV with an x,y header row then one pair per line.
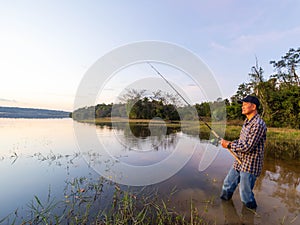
x,y
84,204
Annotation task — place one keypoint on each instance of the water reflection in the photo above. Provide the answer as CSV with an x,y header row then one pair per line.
x,y
231,215
134,144
147,137
285,178
38,154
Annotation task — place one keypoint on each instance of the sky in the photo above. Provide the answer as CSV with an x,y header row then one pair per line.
x,y
46,47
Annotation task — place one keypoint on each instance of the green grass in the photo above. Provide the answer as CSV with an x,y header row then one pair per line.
x,y
281,143
272,133
83,205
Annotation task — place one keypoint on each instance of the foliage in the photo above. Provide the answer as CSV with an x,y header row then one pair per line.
x,y
287,66
84,113
279,96
103,110
137,105
234,111
203,109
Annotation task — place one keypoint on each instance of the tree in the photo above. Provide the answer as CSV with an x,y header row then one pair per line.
x,y
256,77
284,101
103,110
244,89
259,87
203,109
142,105
84,113
287,66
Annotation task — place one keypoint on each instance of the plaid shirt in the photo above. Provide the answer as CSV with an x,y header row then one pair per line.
x,y
250,146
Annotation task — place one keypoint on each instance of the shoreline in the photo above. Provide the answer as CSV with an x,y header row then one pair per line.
x,y
281,143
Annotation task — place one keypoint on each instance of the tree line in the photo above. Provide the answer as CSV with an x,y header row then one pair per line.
x,y
279,96
139,104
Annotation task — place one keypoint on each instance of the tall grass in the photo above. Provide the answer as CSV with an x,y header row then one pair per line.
x,y
281,143
84,204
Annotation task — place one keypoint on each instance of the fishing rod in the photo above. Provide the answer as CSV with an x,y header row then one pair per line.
x,y
200,118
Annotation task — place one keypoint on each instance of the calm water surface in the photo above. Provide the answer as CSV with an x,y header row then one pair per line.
x,y
40,157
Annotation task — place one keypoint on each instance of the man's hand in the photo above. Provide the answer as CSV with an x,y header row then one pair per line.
x,y
224,143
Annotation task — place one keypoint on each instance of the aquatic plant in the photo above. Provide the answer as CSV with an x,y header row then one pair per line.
x,y
84,203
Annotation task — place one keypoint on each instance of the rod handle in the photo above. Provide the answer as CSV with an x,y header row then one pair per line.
x,y
235,156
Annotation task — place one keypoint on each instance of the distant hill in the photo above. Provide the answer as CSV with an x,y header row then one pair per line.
x,y
16,112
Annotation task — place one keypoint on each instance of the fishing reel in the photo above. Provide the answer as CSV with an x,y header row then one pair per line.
x,y
214,142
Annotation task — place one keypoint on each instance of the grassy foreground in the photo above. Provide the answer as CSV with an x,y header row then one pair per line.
x,y
84,204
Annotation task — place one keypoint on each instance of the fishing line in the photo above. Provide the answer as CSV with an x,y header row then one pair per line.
x,y
200,118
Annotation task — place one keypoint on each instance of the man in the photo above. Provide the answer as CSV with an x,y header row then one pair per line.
x,y
250,149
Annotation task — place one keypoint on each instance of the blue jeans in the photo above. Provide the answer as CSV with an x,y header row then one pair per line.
x,y
246,181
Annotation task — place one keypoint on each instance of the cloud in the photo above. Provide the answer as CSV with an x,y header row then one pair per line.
x,y
7,100
219,47
252,42
109,89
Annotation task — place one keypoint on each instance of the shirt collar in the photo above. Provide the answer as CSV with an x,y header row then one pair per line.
x,y
252,119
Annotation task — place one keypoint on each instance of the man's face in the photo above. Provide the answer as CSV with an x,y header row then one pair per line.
x,y
248,108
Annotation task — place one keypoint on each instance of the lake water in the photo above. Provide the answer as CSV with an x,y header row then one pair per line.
x,y
43,157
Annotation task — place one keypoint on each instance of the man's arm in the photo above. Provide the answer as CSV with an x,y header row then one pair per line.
x,y
251,139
